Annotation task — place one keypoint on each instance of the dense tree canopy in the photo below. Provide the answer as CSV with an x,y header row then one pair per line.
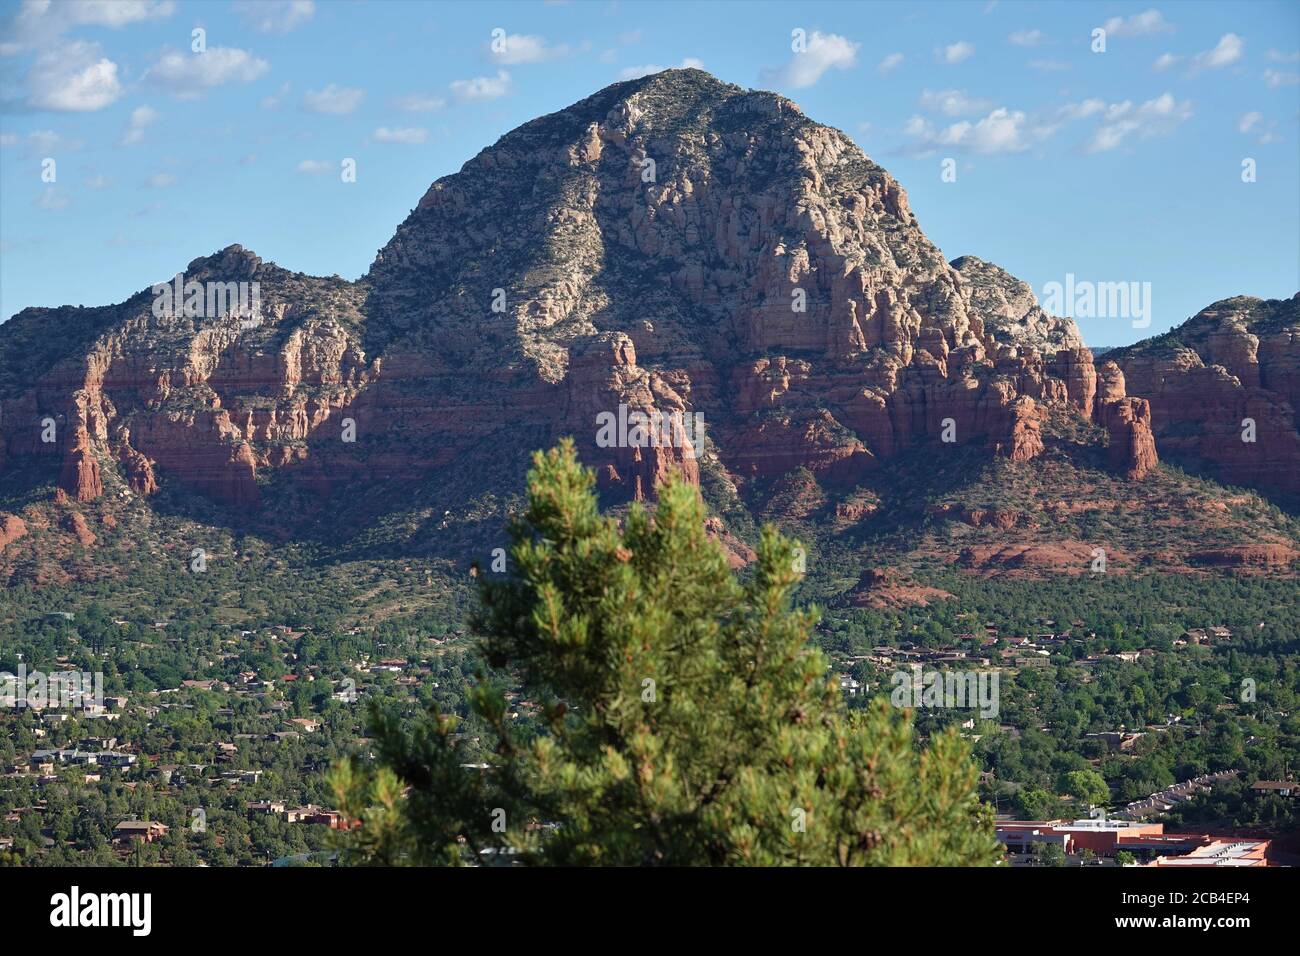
x,y
687,718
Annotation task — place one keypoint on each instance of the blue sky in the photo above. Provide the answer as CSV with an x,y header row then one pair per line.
x,y
1122,165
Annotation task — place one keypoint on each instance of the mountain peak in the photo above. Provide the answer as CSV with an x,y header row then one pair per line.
x,y
232,262
1009,308
671,244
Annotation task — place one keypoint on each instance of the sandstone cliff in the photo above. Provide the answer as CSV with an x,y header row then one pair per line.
x,y
672,245
1224,388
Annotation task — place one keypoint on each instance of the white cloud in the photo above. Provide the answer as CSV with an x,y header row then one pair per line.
x,y
822,52
98,182
141,118
646,69
889,64
408,135
161,180
1277,79
522,48
1090,107
1048,66
1120,121
314,167
1140,24
482,87
275,16
1254,124
105,13
333,99
957,52
420,103
1002,131
186,75
40,22
1226,52
73,77
1277,56
1026,37
1165,61
953,103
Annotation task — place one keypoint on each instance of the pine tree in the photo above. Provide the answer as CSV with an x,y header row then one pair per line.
x,y
689,721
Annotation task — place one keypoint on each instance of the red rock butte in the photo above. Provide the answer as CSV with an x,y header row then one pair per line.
x,y
768,275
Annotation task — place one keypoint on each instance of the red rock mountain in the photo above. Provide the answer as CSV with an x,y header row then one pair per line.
x,y
674,245
1224,389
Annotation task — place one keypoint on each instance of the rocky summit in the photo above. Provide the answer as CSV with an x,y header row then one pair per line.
x,y
672,248
1224,388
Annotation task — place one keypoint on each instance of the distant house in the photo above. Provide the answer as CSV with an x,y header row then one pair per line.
x,y
99,712
1032,662
1285,788
105,758
849,685
1116,740
264,807
313,814
144,830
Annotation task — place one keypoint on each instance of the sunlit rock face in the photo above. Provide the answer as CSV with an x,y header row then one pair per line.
x,y
671,247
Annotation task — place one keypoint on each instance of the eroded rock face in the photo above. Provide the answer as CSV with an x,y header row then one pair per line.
x,y
1265,555
12,528
672,246
1229,374
1132,449
1010,311
632,418
138,470
80,476
75,524
882,588
1132,446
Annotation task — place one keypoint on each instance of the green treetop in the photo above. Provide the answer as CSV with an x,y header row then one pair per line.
x,y
688,719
